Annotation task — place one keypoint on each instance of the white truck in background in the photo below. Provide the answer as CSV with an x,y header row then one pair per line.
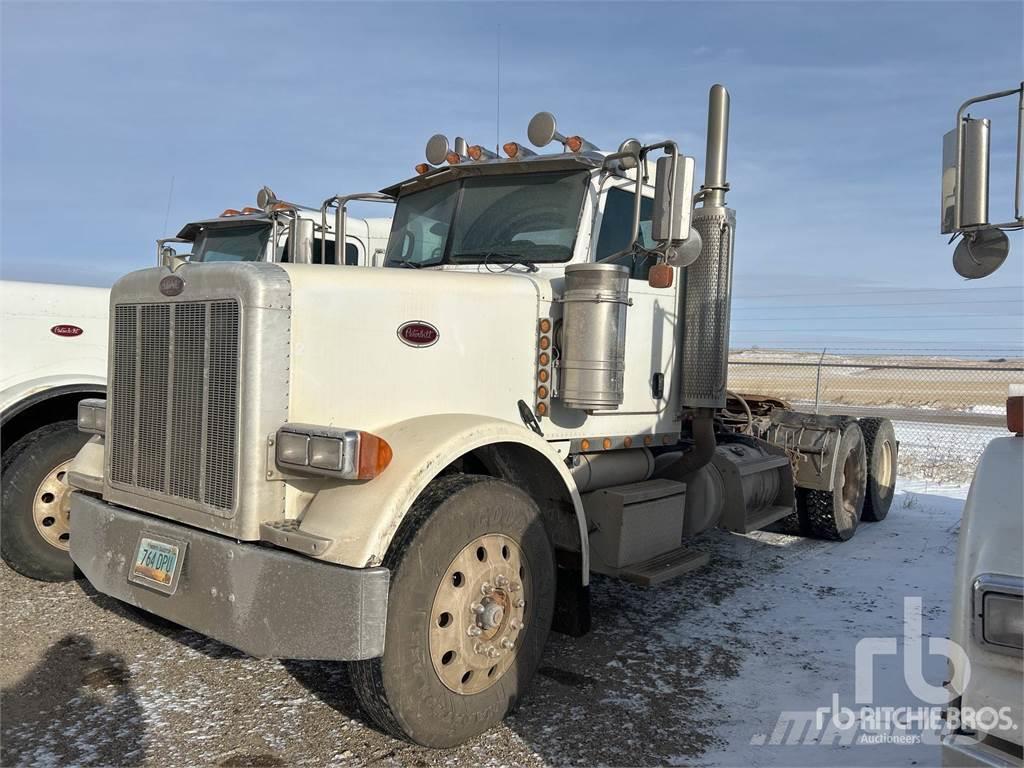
x,y
985,717
54,354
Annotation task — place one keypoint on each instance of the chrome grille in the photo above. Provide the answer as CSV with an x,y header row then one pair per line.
x,y
174,400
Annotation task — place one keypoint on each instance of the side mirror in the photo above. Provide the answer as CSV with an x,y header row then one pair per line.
x,y
167,256
300,241
967,205
673,204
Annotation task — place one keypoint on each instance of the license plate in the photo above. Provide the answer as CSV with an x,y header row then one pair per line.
x,y
157,564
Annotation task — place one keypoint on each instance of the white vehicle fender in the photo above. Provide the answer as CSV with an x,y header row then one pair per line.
x,y
18,396
362,518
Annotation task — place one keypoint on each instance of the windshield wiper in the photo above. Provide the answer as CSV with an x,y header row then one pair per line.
x,y
503,258
407,263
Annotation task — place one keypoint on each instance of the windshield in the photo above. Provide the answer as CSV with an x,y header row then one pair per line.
x,y
242,242
529,218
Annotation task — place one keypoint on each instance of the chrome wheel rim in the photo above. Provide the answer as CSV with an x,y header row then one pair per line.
x,y
51,507
478,614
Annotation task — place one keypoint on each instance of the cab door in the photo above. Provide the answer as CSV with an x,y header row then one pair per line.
x,y
651,320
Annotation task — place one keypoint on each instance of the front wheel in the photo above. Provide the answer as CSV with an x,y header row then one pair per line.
x,y
36,501
470,606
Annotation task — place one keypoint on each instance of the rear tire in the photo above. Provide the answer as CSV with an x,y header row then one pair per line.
x,y
34,502
881,448
834,515
440,681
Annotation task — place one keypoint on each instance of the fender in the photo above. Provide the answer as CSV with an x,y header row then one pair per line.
x,y
362,518
26,394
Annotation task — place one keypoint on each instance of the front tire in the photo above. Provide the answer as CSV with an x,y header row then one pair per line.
x,y
36,502
470,607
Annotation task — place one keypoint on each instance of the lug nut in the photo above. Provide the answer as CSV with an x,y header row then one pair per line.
x,y
515,586
501,581
473,631
492,653
479,648
506,643
520,603
486,588
476,608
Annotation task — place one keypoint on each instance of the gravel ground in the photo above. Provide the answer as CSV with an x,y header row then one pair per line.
x,y
694,671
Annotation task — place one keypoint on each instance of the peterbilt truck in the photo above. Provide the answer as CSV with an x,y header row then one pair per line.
x,y
416,469
54,342
984,722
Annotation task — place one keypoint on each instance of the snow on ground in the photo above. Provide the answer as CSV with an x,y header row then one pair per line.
x,y
695,671
910,554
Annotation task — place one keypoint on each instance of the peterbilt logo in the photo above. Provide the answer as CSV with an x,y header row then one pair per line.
x,y
418,333
171,285
66,330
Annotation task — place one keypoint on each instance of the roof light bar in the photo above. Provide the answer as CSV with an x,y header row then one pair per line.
x,y
517,151
477,153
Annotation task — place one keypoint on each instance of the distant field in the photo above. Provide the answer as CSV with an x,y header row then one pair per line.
x,y
945,409
946,383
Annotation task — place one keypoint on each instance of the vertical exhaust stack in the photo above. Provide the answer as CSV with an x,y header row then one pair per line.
x,y
707,297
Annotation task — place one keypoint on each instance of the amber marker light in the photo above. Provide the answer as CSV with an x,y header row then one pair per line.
x,y
545,342
544,359
230,212
542,393
648,440
627,442
574,143
542,408
250,209
545,325
542,375
1015,414
453,158
585,445
607,443
422,168
511,149
374,456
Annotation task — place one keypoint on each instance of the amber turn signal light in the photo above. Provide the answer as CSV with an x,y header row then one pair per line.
x,y
1015,414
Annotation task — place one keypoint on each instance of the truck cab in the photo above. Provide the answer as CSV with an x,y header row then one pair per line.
x,y
280,232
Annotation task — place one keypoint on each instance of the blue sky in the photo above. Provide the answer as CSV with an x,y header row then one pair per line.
x,y
838,113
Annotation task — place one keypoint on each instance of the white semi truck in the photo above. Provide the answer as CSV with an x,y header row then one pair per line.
x,y
55,354
416,469
985,717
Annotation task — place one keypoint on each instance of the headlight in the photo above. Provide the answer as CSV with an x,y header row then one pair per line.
x,y
999,613
92,416
346,454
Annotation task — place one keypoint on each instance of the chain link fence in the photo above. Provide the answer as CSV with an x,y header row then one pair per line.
x,y
944,409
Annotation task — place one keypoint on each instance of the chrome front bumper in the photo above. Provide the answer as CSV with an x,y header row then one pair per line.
x,y
263,601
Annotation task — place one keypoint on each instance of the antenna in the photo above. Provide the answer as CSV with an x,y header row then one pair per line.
x,y
167,213
497,106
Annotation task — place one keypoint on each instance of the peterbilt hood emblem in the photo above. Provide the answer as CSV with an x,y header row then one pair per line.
x,y
171,285
417,333
66,329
